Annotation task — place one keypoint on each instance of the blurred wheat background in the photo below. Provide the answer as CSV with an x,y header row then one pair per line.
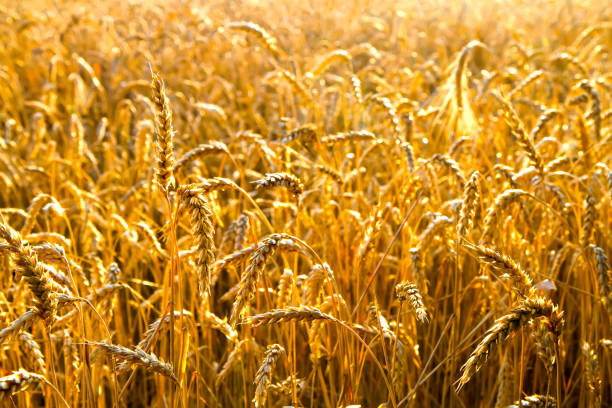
x,y
306,204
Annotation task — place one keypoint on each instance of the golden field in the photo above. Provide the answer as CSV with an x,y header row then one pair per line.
x,y
305,204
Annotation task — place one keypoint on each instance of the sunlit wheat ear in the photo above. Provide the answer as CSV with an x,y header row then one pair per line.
x,y
461,62
544,118
246,290
288,181
306,133
517,130
297,86
471,201
529,79
508,173
268,41
210,185
34,273
558,163
157,328
138,357
521,281
405,291
285,244
506,325
434,228
452,166
391,114
495,211
18,381
328,171
34,209
164,134
300,314
333,57
577,100
198,153
203,231
263,377
372,230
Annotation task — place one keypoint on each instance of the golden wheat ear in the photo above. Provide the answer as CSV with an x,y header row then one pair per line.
x,y
164,135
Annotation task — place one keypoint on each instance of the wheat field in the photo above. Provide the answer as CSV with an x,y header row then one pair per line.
x,y
305,204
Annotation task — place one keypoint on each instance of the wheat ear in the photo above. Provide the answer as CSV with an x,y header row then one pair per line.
x,y
203,231
18,381
518,317
263,376
164,133
35,274
138,357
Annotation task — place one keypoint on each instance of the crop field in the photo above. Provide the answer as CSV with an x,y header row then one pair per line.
x,y
315,203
